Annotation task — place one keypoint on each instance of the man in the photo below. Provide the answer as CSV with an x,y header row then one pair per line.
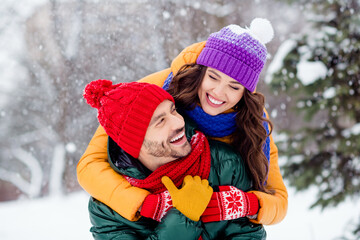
x,y
147,141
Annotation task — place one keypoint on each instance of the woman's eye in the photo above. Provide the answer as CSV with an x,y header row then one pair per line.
x,y
235,88
212,77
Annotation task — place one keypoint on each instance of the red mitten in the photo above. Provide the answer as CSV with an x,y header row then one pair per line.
x,y
155,206
230,203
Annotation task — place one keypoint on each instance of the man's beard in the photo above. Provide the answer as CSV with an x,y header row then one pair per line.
x,y
163,150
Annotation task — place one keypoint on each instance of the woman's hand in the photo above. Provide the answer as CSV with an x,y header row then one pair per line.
x,y
230,203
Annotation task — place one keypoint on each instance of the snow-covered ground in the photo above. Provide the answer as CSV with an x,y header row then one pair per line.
x,y
67,218
301,223
46,218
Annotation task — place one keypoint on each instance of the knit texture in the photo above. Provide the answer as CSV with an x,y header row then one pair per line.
x,y
215,126
168,81
222,125
125,110
230,203
197,163
236,53
266,147
253,204
156,206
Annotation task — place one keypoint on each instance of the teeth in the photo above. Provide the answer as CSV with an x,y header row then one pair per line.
x,y
215,101
178,137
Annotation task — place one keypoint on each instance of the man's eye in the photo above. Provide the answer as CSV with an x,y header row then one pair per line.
x,y
160,122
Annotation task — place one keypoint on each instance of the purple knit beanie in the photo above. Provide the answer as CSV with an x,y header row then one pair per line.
x,y
239,52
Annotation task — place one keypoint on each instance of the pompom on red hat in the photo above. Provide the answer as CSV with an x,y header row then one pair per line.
x,y
125,110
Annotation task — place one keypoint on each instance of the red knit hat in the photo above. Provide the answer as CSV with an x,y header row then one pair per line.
x,y
125,110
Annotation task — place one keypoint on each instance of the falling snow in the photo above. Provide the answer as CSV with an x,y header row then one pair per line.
x,y
48,54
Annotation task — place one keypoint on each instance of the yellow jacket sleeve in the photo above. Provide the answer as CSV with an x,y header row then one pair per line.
x,y
157,78
97,177
273,208
188,55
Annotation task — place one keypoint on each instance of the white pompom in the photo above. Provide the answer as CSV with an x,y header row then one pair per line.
x,y
262,30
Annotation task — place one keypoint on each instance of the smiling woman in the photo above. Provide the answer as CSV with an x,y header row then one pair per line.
x,y
223,107
219,92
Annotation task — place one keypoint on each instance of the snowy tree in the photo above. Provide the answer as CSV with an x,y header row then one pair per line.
x,y
320,70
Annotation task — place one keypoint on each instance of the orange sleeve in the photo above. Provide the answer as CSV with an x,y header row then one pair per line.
x,y
188,55
273,208
97,177
157,78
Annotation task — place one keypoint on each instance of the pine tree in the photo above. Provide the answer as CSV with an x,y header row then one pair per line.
x,y
321,73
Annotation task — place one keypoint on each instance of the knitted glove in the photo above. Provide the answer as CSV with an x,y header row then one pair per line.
x,y
192,199
230,203
155,206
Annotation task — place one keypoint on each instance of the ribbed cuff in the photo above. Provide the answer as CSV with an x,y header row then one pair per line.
x,y
150,206
253,204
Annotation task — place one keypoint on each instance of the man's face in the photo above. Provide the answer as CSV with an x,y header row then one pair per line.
x,y
165,139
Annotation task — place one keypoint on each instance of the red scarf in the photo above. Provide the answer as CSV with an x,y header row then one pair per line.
x,y
197,163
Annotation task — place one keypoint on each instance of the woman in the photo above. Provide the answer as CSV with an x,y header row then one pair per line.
x,y
225,78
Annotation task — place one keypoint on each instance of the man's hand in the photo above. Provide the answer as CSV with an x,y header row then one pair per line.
x,y
192,199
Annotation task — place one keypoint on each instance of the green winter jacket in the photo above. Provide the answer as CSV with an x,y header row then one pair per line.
x,y
227,168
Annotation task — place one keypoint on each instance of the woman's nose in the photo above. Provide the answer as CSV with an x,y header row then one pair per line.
x,y
219,90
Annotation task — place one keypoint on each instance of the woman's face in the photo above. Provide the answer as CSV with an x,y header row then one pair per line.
x,y
219,92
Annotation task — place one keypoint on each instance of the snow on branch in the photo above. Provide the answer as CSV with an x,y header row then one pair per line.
x,y
57,170
277,62
15,179
33,188
72,47
34,136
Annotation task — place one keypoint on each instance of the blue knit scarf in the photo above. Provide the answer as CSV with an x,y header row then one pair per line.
x,y
221,125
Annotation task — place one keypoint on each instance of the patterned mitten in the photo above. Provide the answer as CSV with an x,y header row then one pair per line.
x,y
156,206
230,203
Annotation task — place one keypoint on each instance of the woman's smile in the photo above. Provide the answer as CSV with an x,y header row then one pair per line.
x,y
213,101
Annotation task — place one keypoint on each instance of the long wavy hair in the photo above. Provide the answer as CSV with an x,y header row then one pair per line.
x,y
249,137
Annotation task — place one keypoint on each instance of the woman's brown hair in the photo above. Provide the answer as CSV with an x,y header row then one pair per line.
x,y
250,135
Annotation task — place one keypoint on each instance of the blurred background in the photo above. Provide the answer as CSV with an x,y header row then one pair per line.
x,y
50,49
